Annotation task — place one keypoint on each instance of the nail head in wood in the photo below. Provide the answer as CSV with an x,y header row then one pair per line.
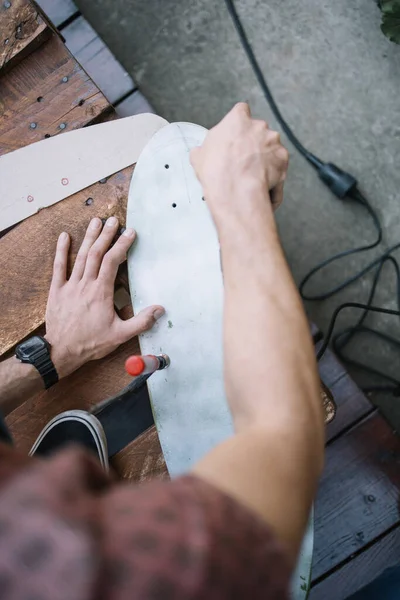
x,y
7,4
33,125
64,79
62,125
89,201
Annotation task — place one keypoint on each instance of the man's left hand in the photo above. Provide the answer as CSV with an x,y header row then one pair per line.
x,y
81,322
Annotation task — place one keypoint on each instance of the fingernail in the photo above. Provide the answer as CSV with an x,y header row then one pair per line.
x,y
111,221
63,236
158,313
95,223
129,232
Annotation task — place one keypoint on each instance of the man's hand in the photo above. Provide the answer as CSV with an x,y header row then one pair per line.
x,y
81,322
240,153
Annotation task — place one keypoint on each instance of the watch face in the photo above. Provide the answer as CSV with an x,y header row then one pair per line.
x,y
30,347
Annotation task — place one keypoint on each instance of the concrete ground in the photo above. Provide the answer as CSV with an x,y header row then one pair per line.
x,y
336,79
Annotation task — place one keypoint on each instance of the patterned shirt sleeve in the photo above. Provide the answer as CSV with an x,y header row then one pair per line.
x,y
68,530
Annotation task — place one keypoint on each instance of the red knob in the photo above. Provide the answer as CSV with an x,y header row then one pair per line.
x,y
134,365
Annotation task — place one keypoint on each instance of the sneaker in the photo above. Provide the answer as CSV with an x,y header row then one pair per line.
x,y
73,426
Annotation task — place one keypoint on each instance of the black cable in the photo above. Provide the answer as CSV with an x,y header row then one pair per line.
x,y
343,185
312,159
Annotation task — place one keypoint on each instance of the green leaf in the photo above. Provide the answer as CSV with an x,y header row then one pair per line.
x,y
391,27
391,19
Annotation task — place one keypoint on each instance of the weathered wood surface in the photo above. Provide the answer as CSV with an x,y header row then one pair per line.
x,y
22,29
46,94
97,60
359,492
58,11
27,252
363,569
142,460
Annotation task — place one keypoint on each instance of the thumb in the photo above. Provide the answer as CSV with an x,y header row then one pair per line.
x,y
142,321
276,195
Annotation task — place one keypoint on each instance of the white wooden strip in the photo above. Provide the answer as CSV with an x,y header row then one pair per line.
x,y
48,171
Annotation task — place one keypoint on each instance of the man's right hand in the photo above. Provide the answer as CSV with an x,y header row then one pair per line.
x,y
240,153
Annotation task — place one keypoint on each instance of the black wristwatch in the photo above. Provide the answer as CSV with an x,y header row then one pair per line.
x,y
36,351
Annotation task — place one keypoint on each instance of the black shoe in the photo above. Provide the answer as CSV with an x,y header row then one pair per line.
x,y
73,426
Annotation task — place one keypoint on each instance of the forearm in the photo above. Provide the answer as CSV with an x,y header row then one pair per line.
x,y
18,381
270,366
273,462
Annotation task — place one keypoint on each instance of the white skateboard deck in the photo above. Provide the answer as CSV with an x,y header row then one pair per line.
x,y
176,262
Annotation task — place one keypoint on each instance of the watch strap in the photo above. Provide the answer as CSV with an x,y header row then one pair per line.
x,y
43,363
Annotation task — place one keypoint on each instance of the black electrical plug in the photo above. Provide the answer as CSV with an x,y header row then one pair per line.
x,y
339,182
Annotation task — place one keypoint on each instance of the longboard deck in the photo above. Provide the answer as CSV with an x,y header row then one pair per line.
x,y
176,262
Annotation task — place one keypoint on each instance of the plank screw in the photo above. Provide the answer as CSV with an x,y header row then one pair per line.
x,y
371,498
64,79
33,125
89,201
103,180
62,125
7,4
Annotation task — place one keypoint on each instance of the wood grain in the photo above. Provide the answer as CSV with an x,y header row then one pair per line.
x,y
22,29
58,11
359,492
27,252
142,460
98,60
363,569
46,94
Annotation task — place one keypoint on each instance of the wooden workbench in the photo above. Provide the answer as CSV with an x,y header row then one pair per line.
x,y
357,518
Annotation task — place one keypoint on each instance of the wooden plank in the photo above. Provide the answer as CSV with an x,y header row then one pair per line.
x,y
363,569
99,62
352,405
358,495
134,104
142,460
58,11
26,252
46,94
22,29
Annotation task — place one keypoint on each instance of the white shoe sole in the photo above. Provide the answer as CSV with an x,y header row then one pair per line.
x,y
92,423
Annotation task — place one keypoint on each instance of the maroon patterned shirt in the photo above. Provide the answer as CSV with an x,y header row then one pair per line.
x,y
68,531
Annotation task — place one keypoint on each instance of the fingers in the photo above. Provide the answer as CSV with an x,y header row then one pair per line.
x,y
99,248
141,322
276,195
115,256
242,109
60,261
92,233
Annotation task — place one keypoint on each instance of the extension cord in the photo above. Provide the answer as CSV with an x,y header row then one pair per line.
x,y
344,186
